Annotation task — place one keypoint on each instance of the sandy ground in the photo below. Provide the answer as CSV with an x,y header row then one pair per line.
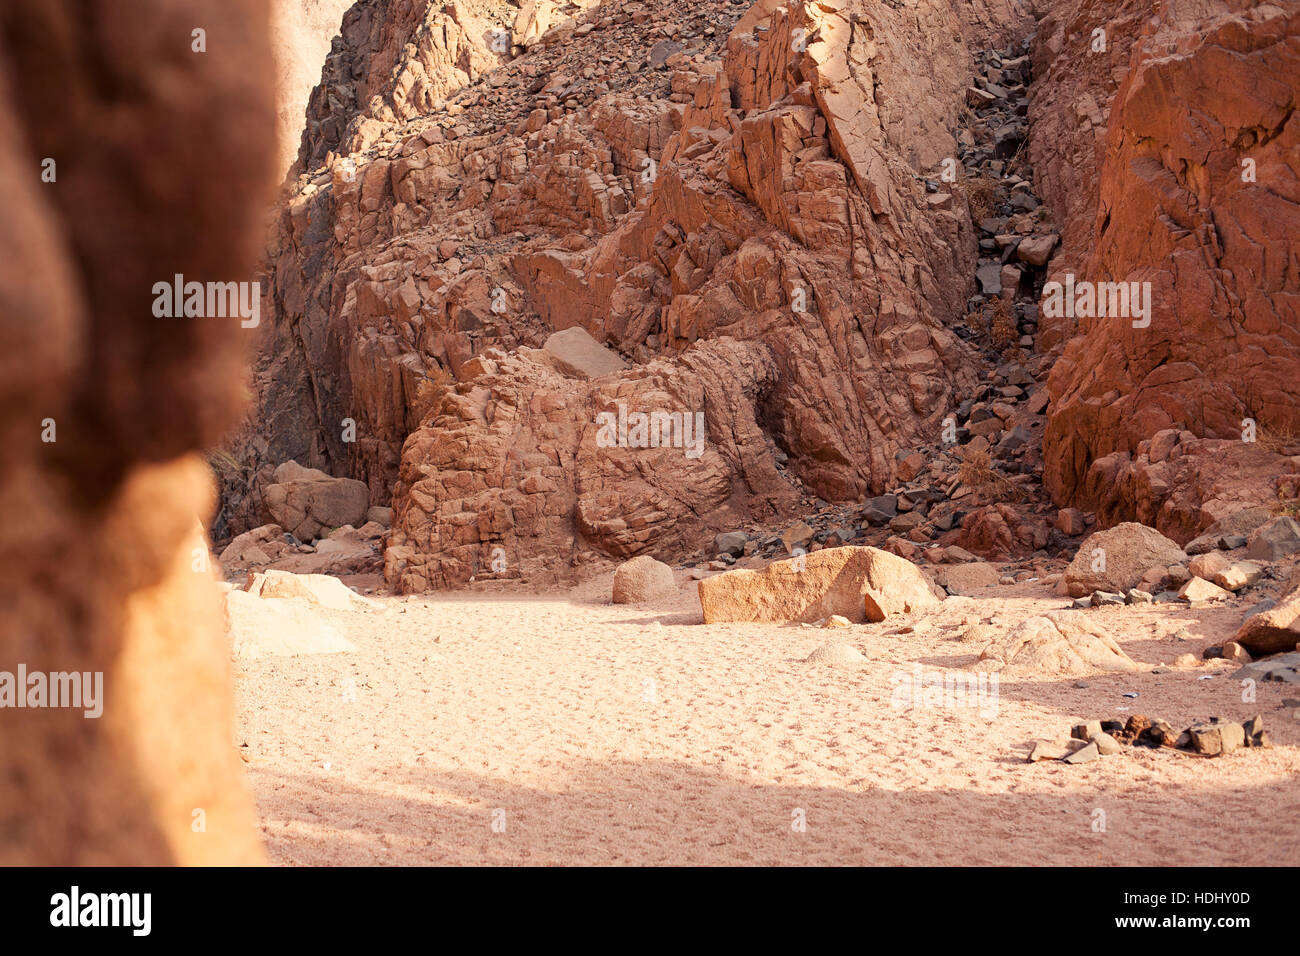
x,y
600,734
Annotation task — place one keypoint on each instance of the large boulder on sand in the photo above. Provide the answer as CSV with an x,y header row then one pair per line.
x,y
319,589
1116,559
861,584
1060,643
305,501
642,579
276,627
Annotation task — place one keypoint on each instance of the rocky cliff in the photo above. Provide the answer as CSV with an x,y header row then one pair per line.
x,y
760,212
1197,192
746,191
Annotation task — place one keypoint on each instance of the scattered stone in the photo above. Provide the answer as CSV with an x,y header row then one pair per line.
x,y
1035,250
1069,521
1085,754
731,542
1106,598
965,578
1054,749
1232,651
1208,565
1106,744
1198,590
1275,540
1137,596
1238,575
1086,731
797,536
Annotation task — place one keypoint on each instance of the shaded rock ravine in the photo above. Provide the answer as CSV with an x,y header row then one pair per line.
x,y
817,271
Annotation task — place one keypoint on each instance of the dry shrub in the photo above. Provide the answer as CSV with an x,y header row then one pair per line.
x,y
1279,439
430,389
981,196
1004,329
977,471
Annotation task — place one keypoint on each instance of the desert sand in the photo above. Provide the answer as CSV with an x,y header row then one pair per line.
x,y
601,734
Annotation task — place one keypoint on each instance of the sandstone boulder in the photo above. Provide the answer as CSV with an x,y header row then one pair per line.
x,y
1209,564
642,579
306,501
318,589
1238,575
259,546
964,578
1057,644
1117,558
275,627
1198,589
861,584
1273,631
574,352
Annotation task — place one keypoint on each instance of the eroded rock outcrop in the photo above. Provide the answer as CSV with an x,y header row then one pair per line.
x,y
1199,195
760,182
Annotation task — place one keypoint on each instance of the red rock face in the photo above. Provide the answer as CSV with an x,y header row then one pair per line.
x,y
759,184
740,191
1199,187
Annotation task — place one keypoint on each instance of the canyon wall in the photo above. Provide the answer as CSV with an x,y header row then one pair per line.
x,y
757,191
667,178
1197,174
